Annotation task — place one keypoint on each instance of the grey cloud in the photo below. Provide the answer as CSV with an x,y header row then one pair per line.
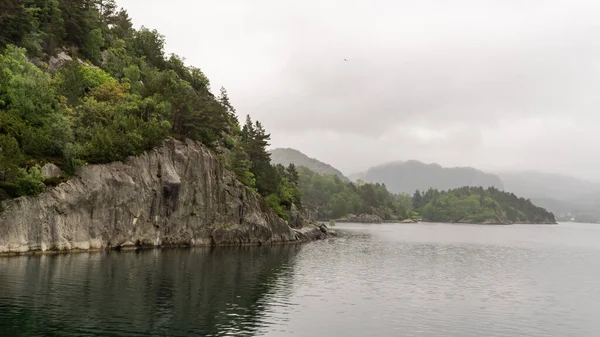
x,y
487,83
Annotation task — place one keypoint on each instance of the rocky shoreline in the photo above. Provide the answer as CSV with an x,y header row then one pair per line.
x,y
176,195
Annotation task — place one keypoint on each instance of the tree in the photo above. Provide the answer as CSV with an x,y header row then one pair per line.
x,y
92,46
150,45
128,101
11,157
121,28
16,20
417,200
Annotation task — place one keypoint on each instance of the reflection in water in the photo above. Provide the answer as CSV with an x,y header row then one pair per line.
x,y
178,292
421,280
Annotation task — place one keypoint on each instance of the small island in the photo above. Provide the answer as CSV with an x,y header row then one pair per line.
x,y
479,205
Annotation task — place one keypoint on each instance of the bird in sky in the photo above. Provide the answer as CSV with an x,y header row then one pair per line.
x,y
345,60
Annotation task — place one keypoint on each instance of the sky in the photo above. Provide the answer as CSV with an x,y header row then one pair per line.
x,y
494,84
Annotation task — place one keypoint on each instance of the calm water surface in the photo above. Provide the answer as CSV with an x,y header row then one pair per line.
x,y
430,280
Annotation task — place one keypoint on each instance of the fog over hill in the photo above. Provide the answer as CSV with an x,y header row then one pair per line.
x,y
571,197
566,196
292,156
412,175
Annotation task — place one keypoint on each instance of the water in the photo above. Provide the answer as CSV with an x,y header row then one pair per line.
x,y
430,280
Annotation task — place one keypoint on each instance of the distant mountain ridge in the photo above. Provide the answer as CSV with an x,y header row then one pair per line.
x,y
286,156
412,175
566,196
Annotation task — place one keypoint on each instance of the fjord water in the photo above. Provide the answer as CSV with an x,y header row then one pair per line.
x,y
428,280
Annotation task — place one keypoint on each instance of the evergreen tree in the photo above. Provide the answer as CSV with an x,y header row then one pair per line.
x,y
131,99
417,200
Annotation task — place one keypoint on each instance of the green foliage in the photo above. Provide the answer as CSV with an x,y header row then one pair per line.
x,y
150,45
92,47
119,96
11,157
30,182
330,197
275,203
476,204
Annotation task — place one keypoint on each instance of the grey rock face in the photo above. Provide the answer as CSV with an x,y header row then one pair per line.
x,y
51,171
177,194
58,61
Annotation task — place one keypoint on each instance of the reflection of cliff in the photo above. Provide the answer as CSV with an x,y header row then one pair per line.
x,y
201,292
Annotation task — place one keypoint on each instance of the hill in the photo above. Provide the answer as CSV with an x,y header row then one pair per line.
x,y
79,85
479,205
568,197
409,176
291,156
329,197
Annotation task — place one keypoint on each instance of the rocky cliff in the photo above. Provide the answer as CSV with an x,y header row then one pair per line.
x,y
177,194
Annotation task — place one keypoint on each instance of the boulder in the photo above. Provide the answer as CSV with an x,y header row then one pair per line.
x,y
51,171
59,61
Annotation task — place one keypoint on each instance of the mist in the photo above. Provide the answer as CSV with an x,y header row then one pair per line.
x,y
497,85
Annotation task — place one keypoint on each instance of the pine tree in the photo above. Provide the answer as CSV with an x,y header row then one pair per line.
x,y
417,200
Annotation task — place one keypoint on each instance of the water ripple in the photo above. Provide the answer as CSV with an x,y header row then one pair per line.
x,y
425,280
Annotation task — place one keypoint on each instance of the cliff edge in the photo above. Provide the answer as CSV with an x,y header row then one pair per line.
x,y
176,194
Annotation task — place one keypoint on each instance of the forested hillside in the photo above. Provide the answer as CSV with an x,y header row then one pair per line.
x,y
478,205
329,197
78,85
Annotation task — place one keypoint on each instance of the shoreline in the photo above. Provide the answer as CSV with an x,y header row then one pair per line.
x,y
143,248
450,223
304,235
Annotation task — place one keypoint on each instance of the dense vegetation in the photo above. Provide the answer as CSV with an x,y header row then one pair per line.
x,y
79,85
329,197
478,205
409,176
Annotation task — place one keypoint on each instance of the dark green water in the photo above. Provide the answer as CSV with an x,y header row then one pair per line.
x,y
428,280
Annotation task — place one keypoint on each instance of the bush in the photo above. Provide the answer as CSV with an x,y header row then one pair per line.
x,y
30,182
275,204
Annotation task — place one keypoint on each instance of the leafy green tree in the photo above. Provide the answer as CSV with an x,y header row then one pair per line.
x,y
475,204
150,45
30,182
417,200
16,21
118,97
51,25
92,47
11,157
327,196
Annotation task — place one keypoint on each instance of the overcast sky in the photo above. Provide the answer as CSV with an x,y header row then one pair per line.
x,y
494,84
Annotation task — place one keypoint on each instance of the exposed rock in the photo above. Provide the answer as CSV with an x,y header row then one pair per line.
x,y
323,228
409,221
296,218
309,233
58,61
177,194
127,245
51,171
61,59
